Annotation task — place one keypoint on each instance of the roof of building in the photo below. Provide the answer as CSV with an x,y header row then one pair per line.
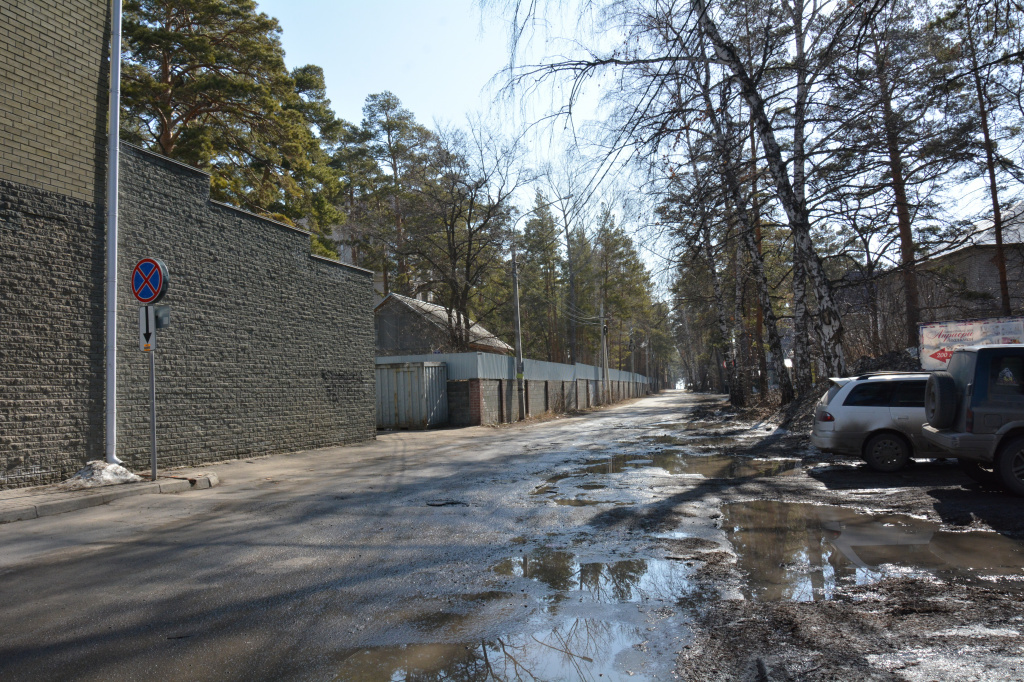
x,y
438,315
982,233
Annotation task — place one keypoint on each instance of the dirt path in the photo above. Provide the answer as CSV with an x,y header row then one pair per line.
x,y
846,574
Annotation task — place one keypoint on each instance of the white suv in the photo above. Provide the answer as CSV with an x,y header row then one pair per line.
x,y
877,417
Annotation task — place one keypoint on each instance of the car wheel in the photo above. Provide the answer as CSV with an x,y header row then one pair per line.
x,y
981,473
1009,465
940,400
886,452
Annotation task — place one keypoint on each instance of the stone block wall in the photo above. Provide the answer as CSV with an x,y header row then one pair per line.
x,y
53,107
570,396
269,350
51,335
491,407
509,400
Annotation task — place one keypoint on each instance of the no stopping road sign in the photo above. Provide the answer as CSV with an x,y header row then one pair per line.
x,y
149,280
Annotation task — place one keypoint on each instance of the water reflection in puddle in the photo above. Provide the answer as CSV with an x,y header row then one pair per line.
x,y
578,649
629,580
581,502
562,646
803,552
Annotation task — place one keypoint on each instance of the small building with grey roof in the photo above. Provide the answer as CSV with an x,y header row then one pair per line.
x,y
409,326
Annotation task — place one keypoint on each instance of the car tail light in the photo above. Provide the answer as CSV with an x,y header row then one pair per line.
x,y
970,420
826,417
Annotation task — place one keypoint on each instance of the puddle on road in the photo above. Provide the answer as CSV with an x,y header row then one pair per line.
x,y
700,441
578,649
803,552
673,461
628,580
559,646
676,461
581,502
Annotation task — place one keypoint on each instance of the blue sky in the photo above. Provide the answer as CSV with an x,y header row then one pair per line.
x,y
435,55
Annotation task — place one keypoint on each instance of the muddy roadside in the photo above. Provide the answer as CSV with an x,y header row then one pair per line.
x,y
822,569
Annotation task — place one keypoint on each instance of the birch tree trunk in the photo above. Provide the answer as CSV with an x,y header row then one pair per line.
x,y
739,328
718,116
829,321
735,397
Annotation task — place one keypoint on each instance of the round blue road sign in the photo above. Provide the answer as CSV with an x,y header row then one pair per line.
x,y
149,280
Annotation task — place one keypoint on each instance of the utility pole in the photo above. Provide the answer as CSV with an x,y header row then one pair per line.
x,y
519,333
515,302
632,364
604,352
647,364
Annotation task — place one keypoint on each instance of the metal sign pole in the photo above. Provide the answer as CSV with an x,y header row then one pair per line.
x,y
152,410
149,284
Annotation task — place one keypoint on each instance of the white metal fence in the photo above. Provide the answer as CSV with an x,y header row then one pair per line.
x,y
411,395
492,366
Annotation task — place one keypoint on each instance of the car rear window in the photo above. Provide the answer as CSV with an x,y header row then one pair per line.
x,y
870,394
1006,377
908,394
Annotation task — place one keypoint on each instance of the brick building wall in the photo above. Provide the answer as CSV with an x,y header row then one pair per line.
x,y
53,108
462,409
960,285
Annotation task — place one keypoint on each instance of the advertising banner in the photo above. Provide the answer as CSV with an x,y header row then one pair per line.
x,y
938,340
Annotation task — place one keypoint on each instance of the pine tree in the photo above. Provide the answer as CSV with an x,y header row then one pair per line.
x,y
204,82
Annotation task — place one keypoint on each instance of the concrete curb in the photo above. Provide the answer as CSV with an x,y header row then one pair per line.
x,y
49,507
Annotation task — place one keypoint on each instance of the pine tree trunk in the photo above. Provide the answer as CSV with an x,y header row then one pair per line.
x,y
990,163
912,303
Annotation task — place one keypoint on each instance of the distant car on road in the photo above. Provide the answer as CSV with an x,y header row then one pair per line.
x,y
877,417
975,412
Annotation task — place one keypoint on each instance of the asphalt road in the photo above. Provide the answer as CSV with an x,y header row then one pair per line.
x,y
452,554
669,538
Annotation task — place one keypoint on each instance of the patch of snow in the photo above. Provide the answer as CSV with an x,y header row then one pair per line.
x,y
978,631
99,473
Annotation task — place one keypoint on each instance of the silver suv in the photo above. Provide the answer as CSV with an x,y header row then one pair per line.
x,y
975,413
877,417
